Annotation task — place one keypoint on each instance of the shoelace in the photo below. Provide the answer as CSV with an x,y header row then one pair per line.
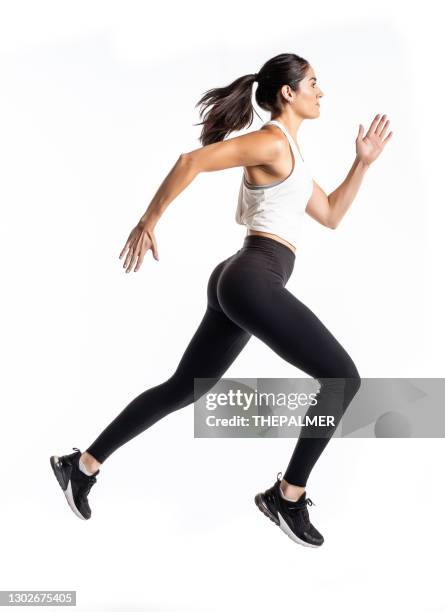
x,y
301,505
308,500
305,502
301,509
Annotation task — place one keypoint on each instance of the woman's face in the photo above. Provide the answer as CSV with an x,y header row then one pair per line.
x,y
306,101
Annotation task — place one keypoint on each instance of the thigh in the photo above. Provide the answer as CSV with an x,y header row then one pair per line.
x,y
273,314
306,341
214,346
216,342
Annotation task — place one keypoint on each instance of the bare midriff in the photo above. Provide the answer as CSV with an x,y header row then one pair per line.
x,y
251,232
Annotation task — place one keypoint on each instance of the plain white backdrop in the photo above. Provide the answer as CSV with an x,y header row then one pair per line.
x,y
97,102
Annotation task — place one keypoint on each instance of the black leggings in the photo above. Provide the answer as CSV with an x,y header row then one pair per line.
x,y
246,295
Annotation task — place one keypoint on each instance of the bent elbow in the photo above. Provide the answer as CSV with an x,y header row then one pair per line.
x,y
185,158
332,225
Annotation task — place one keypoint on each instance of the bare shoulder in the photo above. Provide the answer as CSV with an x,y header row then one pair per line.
x,y
262,146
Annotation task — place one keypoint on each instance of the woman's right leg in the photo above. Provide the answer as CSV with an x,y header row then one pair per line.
x,y
252,293
213,348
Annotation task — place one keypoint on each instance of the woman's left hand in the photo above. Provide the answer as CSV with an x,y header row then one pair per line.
x,y
369,147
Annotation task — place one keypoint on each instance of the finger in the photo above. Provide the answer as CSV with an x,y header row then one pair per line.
x,y
136,252
379,124
125,247
384,128
123,251
128,257
132,260
139,261
387,138
154,248
142,252
131,250
373,124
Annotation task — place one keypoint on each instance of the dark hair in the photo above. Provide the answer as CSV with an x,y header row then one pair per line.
x,y
232,107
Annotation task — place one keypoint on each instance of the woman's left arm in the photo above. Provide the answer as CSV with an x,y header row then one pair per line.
x,y
329,210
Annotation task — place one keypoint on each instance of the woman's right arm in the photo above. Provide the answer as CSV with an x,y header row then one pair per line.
x,y
255,148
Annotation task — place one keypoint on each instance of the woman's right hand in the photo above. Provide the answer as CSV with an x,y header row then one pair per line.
x,y
141,239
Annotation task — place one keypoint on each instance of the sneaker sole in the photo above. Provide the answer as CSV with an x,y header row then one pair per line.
x,y
66,488
261,504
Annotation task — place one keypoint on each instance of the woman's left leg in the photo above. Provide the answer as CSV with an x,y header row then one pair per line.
x,y
214,346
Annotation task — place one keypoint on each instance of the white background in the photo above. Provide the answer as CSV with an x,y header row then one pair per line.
x,y
98,100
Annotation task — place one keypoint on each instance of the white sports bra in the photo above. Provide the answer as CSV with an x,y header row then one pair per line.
x,y
277,208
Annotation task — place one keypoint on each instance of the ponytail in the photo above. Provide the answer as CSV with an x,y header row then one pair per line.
x,y
232,109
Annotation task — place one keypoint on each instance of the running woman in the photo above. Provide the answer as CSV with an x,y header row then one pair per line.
x,y
246,293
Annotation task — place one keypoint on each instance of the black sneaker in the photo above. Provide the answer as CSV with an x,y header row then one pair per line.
x,y
291,517
75,484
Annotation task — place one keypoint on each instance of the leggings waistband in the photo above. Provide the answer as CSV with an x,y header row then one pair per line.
x,y
282,256
254,238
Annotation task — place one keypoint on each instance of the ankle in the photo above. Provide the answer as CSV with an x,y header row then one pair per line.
x,y
91,464
291,492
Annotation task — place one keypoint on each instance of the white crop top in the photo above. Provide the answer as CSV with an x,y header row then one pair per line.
x,y
277,208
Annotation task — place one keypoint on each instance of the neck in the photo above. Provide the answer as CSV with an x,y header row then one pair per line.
x,y
290,122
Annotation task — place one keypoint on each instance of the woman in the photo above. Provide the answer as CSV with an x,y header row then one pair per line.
x,y
246,292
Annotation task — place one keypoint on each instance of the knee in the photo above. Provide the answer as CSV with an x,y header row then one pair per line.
x,y
180,389
348,378
185,389
353,379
